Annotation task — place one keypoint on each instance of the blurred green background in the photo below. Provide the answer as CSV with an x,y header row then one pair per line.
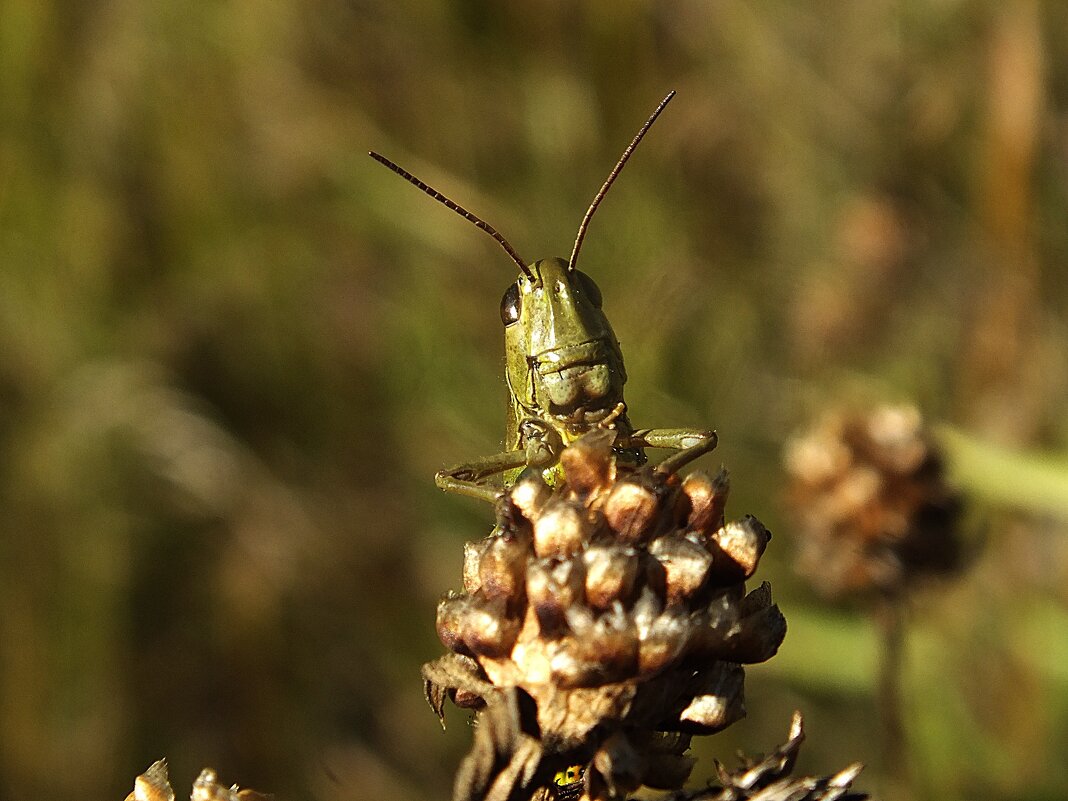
x,y
234,350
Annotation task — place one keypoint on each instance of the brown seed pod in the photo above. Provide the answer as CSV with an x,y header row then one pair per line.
x,y
502,568
708,500
647,607
714,623
490,633
472,560
631,510
662,640
611,572
560,529
717,700
467,699
530,493
614,641
474,624
553,586
710,713
661,648
685,566
451,620
619,766
760,629
570,667
153,784
588,462
741,543
598,651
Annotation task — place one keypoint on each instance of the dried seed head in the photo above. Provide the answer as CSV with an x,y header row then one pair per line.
x,y
597,601
873,507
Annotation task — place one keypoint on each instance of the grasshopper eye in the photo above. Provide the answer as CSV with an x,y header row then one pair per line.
x,y
510,305
589,288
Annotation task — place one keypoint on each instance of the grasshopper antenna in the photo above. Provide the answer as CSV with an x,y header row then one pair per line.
x,y
611,178
478,221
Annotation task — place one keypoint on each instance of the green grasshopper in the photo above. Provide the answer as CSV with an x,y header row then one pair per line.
x,y
564,368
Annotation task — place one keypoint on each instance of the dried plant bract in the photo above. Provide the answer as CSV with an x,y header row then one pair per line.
x,y
154,785
769,779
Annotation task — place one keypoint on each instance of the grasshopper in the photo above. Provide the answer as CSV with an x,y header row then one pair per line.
x,y
564,367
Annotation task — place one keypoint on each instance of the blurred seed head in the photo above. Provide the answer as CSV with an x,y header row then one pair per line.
x,y
873,508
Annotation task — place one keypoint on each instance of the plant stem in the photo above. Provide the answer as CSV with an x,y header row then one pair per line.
x,y
890,617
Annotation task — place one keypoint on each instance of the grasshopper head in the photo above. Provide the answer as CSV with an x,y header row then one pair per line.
x,y
563,361
563,364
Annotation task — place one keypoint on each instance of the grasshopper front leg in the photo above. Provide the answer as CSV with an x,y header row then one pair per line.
x,y
541,448
466,479
690,443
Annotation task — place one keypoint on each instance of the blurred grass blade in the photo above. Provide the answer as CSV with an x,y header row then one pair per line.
x,y
1024,480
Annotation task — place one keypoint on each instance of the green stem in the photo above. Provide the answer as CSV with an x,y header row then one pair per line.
x,y
890,619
